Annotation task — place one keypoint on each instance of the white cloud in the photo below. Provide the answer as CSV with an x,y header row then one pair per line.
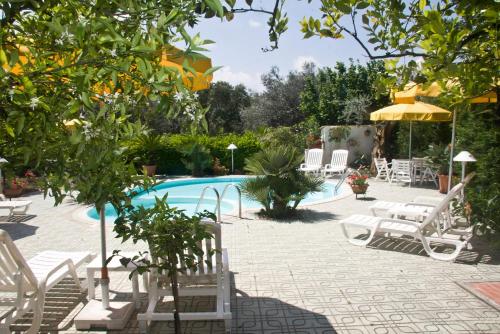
x,y
299,62
250,80
254,24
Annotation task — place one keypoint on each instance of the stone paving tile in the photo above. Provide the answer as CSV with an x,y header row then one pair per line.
x,y
293,277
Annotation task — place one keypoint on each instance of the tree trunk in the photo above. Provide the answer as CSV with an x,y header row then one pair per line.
x,y
175,294
378,146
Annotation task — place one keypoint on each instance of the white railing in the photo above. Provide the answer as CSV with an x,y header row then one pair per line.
x,y
239,196
217,205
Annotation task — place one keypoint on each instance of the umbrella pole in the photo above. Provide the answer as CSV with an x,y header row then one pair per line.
x,y
104,268
452,146
104,314
409,148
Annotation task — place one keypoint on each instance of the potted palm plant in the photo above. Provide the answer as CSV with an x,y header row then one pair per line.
x,y
148,147
438,156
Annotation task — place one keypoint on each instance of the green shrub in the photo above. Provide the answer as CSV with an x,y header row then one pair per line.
x,y
279,186
284,135
479,133
198,159
169,155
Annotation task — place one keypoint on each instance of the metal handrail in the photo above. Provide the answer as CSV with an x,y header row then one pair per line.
x,y
217,206
239,196
346,174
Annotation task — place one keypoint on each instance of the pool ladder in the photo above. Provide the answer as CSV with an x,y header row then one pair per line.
x,y
344,176
219,199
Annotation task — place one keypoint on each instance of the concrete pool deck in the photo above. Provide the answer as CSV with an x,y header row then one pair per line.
x,y
294,277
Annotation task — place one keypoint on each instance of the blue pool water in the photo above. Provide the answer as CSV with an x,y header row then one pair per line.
x,y
185,193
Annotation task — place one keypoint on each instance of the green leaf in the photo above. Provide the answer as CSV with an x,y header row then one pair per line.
x,y
362,5
14,58
211,70
249,2
171,16
143,48
365,19
422,4
86,100
9,130
344,8
216,6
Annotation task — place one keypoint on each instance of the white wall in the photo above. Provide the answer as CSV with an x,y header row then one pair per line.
x,y
358,142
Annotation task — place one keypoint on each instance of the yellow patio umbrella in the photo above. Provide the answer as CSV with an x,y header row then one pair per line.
x,y
418,111
199,64
490,97
412,90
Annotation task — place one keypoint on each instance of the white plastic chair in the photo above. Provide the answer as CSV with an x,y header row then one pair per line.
x,y
14,207
401,171
338,163
419,231
383,168
23,284
210,279
314,161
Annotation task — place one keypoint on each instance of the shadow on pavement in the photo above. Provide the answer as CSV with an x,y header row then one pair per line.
x,y
18,230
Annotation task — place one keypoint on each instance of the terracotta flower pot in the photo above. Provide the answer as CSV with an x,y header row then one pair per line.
x,y
359,188
13,192
149,170
443,183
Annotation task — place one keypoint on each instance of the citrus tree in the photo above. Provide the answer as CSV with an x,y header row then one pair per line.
x,y
442,40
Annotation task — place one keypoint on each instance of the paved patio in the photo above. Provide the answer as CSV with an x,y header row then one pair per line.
x,y
295,277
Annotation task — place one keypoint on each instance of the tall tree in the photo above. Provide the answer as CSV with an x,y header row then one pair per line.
x,y
327,93
225,103
279,104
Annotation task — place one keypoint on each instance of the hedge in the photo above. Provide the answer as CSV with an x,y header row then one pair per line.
x,y
170,156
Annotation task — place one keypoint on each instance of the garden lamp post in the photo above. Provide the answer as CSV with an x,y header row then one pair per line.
x,y
232,147
464,157
2,161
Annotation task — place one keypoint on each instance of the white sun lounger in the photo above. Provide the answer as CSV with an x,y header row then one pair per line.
x,y
211,279
427,232
313,161
417,209
23,284
338,164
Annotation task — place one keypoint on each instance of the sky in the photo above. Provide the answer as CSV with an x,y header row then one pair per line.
x,y
239,43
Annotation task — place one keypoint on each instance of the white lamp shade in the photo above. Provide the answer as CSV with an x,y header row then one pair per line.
x,y
464,156
232,147
3,160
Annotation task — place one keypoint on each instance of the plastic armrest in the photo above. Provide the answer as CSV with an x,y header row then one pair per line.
x,y
429,200
68,262
425,205
400,221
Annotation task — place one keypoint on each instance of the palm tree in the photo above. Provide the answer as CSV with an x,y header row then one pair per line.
x,y
279,186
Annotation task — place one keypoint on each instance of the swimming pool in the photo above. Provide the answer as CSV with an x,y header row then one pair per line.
x,y
185,193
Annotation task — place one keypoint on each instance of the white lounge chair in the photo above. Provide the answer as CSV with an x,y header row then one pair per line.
x,y
427,232
383,168
23,284
401,171
210,279
314,161
338,164
417,209
14,207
